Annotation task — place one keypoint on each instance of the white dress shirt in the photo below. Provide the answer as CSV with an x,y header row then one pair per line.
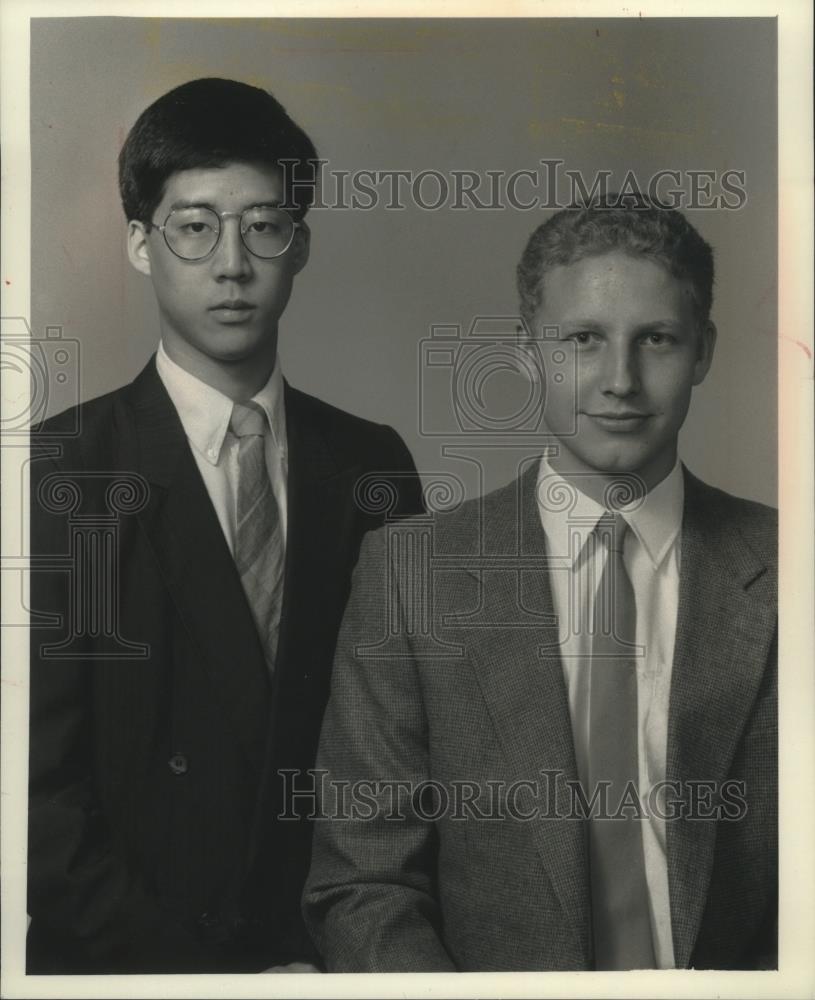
x,y
652,552
205,415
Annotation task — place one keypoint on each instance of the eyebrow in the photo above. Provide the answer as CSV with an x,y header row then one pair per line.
x,y
661,324
201,203
664,324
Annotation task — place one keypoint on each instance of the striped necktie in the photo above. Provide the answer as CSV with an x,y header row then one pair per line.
x,y
620,907
259,536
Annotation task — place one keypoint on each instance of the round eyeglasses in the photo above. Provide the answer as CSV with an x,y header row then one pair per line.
x,y
193,233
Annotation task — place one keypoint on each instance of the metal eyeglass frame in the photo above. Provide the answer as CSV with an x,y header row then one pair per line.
x,y
226,215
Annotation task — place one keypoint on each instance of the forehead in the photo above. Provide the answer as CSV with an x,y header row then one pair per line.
x,y
229,188
616,285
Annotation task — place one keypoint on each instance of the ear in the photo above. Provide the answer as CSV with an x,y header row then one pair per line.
x,y
299,250
530,359
705,348
138,249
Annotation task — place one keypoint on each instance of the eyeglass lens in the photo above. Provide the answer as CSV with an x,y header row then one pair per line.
x,y
192,233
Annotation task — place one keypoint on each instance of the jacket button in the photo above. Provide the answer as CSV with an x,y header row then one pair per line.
x,y
178,763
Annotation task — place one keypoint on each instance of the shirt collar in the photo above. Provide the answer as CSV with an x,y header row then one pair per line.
x,y
656,521
205,412
270,398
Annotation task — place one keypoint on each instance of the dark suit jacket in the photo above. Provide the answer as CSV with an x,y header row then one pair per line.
x,y
154,773
479,893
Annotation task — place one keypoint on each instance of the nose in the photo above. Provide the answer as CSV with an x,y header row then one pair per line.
x,y
231,260
621,375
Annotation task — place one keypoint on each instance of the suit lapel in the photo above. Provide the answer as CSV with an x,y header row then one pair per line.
x,y
186,537
725,625
520,674
318,537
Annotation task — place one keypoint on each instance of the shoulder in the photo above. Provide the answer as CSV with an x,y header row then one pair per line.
x,y
89,413
756,523
347,433
467,528
81,433
318,410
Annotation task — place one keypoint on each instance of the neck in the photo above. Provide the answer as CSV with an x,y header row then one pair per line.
x,y
240,379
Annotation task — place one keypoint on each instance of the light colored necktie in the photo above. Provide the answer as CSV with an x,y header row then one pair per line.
x,y
620,908
259,536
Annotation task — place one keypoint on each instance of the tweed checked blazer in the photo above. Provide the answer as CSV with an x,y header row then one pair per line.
x,y
468,690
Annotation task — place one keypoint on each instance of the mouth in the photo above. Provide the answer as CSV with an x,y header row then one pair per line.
x,y
232,310
620,423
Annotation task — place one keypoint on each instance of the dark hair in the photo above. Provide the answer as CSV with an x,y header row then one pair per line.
x,y
209,123
632,223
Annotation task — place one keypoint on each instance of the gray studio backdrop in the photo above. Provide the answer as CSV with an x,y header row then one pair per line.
x,y
441,95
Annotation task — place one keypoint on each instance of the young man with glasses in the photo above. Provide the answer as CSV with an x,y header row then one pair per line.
x,y
160,747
